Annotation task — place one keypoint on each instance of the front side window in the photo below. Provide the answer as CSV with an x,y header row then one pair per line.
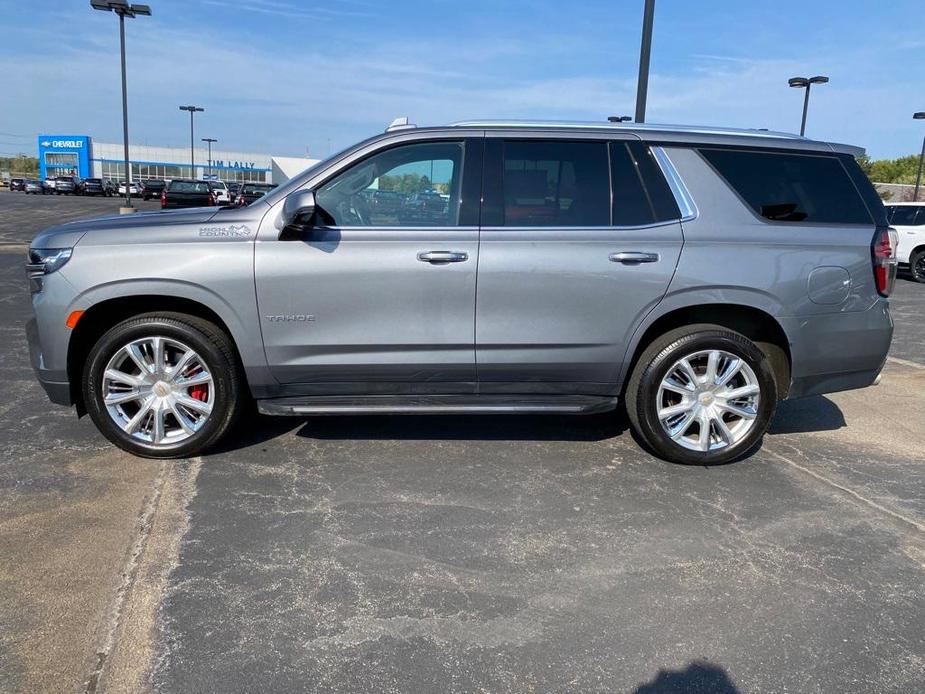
x,y
550,183
409,185
792,187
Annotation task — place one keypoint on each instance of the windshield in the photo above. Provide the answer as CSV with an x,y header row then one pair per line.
x,y
294,183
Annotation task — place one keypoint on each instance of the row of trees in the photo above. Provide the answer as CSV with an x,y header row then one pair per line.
x,y
900,170
21,165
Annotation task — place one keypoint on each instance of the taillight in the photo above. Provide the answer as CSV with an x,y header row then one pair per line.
x,y
240,202
164,198
883,257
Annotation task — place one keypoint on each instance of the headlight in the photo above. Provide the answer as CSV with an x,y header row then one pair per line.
x,y
43,261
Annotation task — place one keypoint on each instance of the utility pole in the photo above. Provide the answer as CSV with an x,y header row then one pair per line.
x,y
192,160
645,52
123,9
210,140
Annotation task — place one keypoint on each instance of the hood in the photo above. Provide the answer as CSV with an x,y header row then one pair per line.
x,y
67,235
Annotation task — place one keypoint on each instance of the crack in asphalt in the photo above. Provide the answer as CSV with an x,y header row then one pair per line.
x,y
129,573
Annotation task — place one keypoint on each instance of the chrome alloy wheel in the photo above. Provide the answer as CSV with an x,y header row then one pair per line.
x,y
158,390
708,400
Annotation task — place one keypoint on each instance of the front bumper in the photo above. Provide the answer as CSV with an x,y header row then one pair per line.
x,y
59,392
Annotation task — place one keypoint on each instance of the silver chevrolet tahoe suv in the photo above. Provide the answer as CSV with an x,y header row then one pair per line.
x,y
696,276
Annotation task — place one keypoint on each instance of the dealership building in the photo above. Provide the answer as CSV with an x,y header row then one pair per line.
x,y
79,155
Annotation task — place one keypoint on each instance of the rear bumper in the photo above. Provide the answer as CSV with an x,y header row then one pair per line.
x,y
839,351
59,392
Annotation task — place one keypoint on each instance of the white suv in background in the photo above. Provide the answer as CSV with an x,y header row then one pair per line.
x,y
221,191
908,218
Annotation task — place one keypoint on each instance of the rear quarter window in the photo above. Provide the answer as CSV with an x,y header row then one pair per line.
x,y
793,187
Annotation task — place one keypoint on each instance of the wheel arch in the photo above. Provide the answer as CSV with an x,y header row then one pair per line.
x,y
104,314
755,323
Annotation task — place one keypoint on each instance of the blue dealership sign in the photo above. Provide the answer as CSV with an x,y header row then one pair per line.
x,y
64,155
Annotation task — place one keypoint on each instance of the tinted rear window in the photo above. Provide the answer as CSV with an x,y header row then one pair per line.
x,y
788,187
188,187
556,183
906,215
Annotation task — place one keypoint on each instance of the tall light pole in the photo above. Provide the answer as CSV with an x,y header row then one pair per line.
x,y
918,177
123,9
806,82
645,51
192,160
210,140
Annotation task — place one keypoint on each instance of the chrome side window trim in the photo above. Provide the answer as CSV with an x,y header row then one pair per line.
x,y
681,195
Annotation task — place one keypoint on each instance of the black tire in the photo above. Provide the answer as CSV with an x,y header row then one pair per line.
x,y
654,364
917,265
209,341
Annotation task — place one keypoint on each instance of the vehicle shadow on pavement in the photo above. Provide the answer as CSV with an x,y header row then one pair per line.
x,y
698,677
258,429
816,413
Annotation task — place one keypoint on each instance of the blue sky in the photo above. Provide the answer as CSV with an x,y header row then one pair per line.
x,y
290,76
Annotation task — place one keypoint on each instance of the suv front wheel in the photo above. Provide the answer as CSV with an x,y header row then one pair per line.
x,y
701,394
163,385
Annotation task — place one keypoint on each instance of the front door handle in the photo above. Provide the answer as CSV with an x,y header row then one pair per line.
x,y
633,257
443,256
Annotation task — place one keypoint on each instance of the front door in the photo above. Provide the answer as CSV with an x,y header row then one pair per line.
x,y
576,247
380,298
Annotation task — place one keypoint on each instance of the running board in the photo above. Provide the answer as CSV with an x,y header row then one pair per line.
x,y
437,404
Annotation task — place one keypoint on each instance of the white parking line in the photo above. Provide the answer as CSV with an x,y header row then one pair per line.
x,y
908,520
905,362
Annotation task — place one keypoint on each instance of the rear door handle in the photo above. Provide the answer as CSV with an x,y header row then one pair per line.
x,y
633,257
443,256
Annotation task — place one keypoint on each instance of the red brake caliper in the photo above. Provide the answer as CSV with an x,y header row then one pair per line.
x,y
200,392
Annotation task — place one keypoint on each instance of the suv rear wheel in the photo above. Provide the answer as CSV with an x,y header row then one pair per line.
x,y
163,385
702,394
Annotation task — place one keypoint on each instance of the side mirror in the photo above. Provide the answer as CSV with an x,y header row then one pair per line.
x,y
298,215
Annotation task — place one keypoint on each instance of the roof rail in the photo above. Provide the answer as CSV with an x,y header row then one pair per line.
x,y
400,123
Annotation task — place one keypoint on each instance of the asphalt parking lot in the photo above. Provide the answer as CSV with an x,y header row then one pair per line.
x,y
459,554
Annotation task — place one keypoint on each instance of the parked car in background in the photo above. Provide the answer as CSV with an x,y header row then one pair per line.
x,y
18,184
34,186
422,206
222,194
152,189
93,186
558,280
187,192
110,186
133,188
4,183
248,192
67,185
49,184
908,218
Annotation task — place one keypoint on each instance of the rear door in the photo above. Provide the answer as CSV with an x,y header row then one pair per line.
x,y
579,240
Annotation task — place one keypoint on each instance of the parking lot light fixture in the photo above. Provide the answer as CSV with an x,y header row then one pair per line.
x,y
210,140
192,139
123,9
806,83
919,115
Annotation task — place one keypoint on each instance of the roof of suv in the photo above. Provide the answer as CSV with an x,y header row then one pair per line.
x,y
696,134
